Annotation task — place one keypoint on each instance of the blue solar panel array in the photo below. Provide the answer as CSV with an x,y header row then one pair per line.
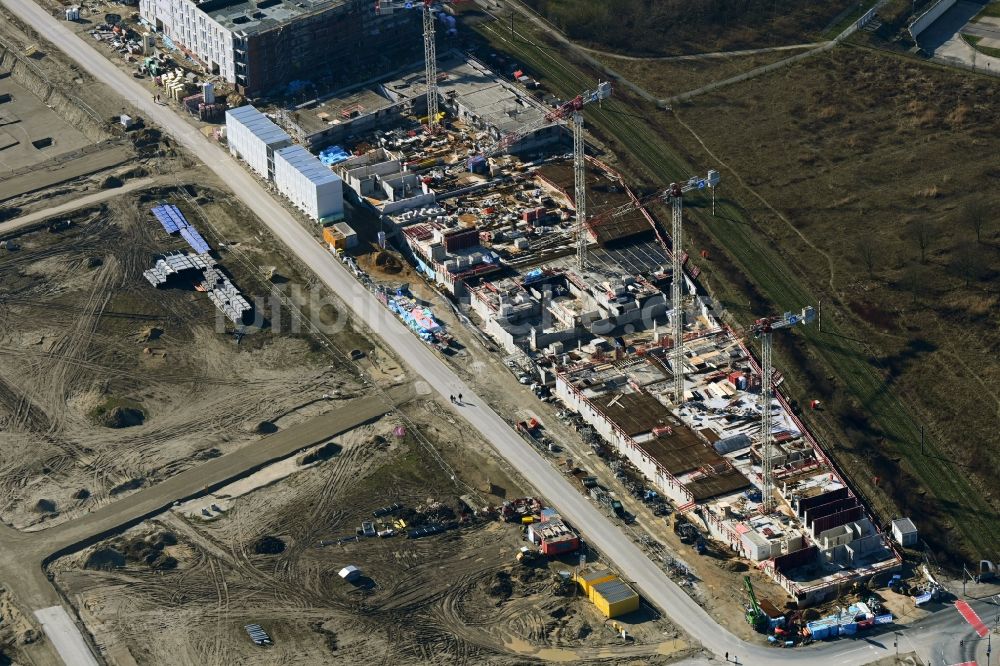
x,y
173,220
170,217
195,240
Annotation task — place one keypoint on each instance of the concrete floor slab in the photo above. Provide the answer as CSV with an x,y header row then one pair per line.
x,y
65,636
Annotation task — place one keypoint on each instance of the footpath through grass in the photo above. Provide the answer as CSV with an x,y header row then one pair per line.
x,y
957,521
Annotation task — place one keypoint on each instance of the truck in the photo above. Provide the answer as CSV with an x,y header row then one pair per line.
x,y
617,507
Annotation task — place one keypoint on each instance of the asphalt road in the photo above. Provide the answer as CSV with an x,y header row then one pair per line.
x,y
596,528
76,204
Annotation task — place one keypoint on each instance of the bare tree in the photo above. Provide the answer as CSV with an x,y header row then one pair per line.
x,y
969,262
866,252
915,279
974,215
920,231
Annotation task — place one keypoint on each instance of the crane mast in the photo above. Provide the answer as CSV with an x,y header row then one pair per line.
x,y
763,328
580,189
430,68
676,283
430,50
766,426
674,195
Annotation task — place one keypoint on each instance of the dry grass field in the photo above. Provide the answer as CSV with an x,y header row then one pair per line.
x,y
881,194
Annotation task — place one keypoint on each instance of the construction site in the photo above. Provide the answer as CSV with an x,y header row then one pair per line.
x,y
359,549
586,307
151,325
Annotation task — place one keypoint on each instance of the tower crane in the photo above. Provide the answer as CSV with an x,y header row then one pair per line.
x,y
572,109
561,112
675,196
383,7
763,329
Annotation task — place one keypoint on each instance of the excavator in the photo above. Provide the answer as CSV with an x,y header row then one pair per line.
x,y
756,617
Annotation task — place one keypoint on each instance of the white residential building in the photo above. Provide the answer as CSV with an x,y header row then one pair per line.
x,y
309,185
262,46
253,138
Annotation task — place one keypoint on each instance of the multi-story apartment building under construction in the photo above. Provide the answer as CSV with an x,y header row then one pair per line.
x,y
261,46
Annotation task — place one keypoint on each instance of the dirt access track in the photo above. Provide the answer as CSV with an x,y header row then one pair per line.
x,y
180,588
108,385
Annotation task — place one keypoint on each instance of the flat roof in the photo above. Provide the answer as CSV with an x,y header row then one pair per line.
x,y
614,591
723,483
904,525
258,124
252,17
681,451
473,86
589,575
339,108
635,413
308,165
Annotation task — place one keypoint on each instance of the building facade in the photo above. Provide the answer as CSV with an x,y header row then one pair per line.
x,y
261,47
253,138
311,187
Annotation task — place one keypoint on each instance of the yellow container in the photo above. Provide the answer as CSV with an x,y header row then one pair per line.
x,y
527,520
614,598
588,578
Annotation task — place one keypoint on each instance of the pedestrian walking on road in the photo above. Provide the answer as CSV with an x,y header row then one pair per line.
x,y
460,398
727,657
452,398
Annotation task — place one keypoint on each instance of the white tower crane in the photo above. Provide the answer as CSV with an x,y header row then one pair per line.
x,y
675,195
572,109
763,328
430,49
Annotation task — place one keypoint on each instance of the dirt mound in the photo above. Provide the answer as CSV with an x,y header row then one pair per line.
x,y
208,454
325,452
162,562
387,262
150,333
500,587
530,575
733,565
133,484
269,545
45,506
163,539
264,428
150,550
106,559
121,417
